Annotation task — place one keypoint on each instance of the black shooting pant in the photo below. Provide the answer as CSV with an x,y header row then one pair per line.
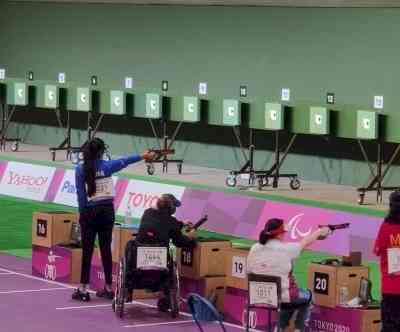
x,y
97,220
390,313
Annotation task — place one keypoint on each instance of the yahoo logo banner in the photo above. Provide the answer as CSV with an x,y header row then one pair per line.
x,y
16,179
26,181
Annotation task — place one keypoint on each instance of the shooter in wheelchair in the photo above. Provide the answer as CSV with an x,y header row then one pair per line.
x,y
149,260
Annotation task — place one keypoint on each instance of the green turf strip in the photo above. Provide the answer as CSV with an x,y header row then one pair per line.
x,y
24,253
16,223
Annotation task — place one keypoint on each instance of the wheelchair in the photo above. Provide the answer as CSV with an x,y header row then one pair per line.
x,y
151,268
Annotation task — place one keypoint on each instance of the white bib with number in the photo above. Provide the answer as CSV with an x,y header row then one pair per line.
x,y
151,258
104,189
263,293
393,260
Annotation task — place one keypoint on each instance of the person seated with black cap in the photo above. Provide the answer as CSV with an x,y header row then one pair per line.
x,y
158,225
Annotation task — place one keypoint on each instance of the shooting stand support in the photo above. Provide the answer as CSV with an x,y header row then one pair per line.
x,y
377,176
164,149
7,114
263,176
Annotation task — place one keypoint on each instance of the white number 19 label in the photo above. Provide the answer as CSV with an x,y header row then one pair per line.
x,y
239,267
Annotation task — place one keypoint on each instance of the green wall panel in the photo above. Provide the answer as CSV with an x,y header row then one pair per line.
x,y
117,104
231,110
83,98
17,94
189,45
309,167
153,106
271,55
274,116
319,120
367,125
51,96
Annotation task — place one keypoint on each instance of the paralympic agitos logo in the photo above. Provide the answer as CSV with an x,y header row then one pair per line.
x,y
296,229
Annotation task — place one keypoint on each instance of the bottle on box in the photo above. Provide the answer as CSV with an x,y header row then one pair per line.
x,y
343,295
128,215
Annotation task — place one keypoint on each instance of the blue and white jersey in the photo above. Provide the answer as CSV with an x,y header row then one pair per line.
x,y
104,183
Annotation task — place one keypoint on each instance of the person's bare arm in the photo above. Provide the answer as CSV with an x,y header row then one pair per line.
x,y
308,240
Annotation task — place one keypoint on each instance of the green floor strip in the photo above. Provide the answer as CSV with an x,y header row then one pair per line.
x,y
16,221
24,253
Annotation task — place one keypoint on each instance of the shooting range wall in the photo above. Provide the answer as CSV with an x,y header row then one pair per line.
x,y
312,51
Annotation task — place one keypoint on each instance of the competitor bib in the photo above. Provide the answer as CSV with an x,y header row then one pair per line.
x,y
104,189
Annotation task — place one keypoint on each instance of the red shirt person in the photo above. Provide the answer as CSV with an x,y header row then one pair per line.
x,y
387,247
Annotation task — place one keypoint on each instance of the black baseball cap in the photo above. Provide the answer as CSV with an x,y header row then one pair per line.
x,y
175,202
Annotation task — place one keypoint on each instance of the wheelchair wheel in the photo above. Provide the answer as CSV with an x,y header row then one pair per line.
x,y
15,147
174,292
119,300
150,169
231,181
295,183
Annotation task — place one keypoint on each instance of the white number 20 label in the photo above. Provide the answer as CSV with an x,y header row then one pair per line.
x,y
321,283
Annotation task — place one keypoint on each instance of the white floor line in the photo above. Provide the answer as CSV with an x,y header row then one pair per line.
x,y
140,303
41,279
5,273
104,305
189,315
85,306
32,290
162,323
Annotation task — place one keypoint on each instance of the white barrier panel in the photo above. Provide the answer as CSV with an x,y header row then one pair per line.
x,y
26,180
140,195
66,193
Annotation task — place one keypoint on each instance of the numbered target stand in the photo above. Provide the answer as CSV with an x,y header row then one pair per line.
x,y
12,96
52,102
368,129
82,102
154,112
207,259
53,257
274,120
327,282
202,270
232,117
211,288
274,116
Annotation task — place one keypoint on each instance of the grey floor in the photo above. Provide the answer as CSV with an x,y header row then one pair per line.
x,y
315,191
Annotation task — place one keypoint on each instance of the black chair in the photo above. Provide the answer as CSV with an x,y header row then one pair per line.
x,y
265,292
